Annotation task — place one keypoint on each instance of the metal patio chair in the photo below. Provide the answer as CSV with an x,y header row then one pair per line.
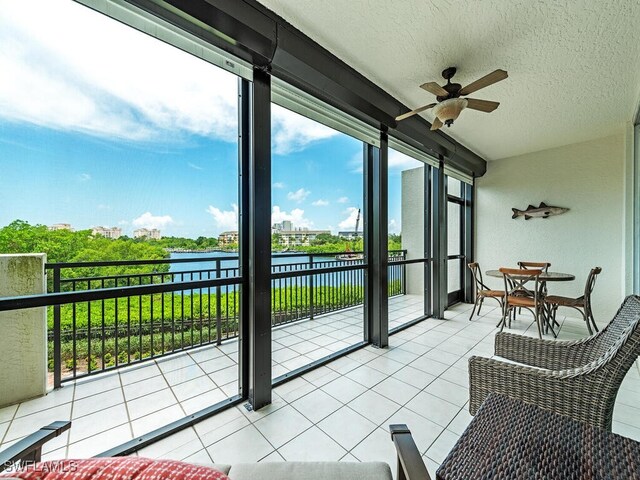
x,y
544,266
579,379
482,291
582,304
517,281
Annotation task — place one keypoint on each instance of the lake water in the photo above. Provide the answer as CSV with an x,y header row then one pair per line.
x,y
283,262
232,262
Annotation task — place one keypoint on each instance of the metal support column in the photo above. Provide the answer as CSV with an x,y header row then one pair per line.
x,y
467,285
636,206
244,155
376,243
428,251
259,239
439,240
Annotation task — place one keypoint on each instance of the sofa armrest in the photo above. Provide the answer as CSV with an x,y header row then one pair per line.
x,y
410,463
29,449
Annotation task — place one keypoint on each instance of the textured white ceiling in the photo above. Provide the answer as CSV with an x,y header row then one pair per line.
x,y
574,65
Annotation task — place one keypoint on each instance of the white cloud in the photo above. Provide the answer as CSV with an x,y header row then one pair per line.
x,y
278,185
393,226
400,161
225,219
123,222
148,220
117,82
349,223
396,161
194,166
296,217
84,177
293,132
343,199
320,203
103,206
356,164
299,195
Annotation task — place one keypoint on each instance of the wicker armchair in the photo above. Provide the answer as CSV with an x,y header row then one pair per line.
x,y
579,379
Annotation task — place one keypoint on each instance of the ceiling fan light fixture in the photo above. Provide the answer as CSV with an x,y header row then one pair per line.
x,y
448,110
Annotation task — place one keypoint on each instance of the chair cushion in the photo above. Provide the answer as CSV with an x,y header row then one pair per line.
x,y
311,471
118,468
565,301
492,293
521,301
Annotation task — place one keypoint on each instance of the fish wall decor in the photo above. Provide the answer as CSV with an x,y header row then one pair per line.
x,y
543,211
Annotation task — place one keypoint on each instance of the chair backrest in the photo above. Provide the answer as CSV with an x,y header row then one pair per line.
x,y
515,280
535,265
628,314
614,350
477,276
591,283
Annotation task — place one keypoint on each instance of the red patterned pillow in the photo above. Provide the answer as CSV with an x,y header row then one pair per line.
x,y
118,468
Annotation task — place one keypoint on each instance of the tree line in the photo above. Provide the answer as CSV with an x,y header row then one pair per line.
x,y
65,246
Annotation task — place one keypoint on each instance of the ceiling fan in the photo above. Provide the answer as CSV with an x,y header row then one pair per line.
x,y
449,104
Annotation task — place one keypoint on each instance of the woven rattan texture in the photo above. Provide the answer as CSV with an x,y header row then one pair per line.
x,y
578,379
509,439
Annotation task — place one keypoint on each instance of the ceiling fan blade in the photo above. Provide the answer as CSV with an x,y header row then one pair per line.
x,y
485,81
436,124
482,105
413,112
433,87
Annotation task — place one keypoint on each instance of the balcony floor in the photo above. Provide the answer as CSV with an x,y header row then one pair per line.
x,y
340,411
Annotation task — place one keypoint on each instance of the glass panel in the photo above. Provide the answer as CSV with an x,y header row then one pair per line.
x,y
453,228
453,275
117,147
406,237
454,187
317,223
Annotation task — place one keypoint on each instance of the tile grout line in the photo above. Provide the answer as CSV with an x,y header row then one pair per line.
x,y
126,407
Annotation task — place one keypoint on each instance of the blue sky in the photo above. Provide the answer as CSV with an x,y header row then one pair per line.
x,y
135,133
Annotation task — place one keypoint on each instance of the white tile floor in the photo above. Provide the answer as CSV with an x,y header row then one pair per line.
x,y
340,411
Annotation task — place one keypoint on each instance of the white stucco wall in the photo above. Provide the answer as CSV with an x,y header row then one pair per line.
x,y
586,177
23,343
412,226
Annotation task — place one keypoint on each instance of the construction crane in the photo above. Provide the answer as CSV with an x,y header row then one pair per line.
x,y
349,255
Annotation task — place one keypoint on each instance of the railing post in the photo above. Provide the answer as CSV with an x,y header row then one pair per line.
x,y
218,306
403,287
57,360
311,301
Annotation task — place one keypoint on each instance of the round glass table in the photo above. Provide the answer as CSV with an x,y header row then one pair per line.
x,y
544,276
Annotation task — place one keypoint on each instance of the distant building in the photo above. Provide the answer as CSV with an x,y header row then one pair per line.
x,y
351,235
300,237
284,226
107,232
228,238
151,233
60,226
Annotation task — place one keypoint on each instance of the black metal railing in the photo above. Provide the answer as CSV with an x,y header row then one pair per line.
x,y
111,331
